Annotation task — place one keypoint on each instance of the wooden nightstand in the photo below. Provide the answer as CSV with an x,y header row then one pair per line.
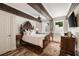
x,y
67,46
18,39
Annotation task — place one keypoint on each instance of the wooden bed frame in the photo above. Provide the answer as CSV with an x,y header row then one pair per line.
x,y
45,43
28,26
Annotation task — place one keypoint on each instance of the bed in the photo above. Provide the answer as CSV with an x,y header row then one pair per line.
x,y
36,39
31,37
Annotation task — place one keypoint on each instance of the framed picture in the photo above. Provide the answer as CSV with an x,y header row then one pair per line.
x,y
60,24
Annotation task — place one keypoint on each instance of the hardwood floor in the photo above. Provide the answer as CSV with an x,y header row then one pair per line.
x,y
21,51
38,50
52,49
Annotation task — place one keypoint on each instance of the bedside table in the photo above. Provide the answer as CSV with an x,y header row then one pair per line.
x,y
18,39
67,46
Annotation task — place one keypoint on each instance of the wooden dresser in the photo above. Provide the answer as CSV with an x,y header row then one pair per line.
x,y
67,46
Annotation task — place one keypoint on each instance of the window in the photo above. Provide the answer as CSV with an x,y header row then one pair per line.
x,y
60,24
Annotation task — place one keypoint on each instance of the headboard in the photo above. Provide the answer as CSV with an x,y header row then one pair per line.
x,y
28,26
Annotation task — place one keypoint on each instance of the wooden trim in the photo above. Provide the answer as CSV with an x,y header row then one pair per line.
x,y
41,9
17,12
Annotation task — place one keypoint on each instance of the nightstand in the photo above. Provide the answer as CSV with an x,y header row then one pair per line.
x,y
67,46
18,39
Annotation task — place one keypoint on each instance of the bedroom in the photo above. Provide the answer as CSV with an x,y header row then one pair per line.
x,y
36,29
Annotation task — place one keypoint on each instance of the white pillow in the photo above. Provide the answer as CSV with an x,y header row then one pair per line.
x,y
24,33
27,32
33,32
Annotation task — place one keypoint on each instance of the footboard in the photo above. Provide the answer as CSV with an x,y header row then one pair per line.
x,y
46,41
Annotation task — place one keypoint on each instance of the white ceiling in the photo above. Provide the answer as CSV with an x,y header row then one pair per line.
x,y
26,9
54,9
57,9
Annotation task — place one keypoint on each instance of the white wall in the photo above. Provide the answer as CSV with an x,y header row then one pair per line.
x,y
76,11
75,30
60,30
21,20
39,27
44,25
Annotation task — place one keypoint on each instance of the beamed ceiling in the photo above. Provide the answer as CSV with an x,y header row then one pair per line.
x,y
47,11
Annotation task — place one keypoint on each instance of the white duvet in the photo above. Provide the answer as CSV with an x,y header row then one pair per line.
x,y
36,39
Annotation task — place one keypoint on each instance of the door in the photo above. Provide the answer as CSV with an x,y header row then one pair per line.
x,y
4,32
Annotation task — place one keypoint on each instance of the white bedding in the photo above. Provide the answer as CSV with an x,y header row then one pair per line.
x,y
36,39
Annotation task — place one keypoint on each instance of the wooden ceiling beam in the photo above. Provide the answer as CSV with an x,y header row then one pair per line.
x,y
17,12
41,9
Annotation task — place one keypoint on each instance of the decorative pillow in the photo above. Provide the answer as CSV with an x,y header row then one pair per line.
x,y
33,32
27,32
24,33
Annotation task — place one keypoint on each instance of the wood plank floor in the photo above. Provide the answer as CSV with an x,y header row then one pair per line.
x,y
22,51
52,49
